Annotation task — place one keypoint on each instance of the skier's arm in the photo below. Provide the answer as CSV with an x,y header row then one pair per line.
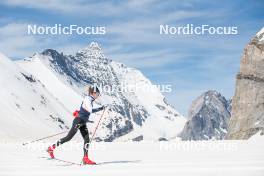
x,y
98,109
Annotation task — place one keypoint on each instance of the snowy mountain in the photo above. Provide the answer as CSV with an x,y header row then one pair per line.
x,y
208,117
135,115
27,110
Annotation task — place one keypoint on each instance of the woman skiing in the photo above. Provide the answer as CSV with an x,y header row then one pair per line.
x,y
79,123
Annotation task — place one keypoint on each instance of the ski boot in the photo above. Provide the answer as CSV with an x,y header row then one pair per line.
x,y
86,160
50,151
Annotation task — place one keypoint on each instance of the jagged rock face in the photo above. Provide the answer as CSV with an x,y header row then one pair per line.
x,y
247,117
208,117
129,110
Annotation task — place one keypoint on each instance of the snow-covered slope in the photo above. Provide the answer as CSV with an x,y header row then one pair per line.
x,y
27,110
61,91
184,158
138,112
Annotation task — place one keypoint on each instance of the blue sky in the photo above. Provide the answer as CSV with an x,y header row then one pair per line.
x,y
193,64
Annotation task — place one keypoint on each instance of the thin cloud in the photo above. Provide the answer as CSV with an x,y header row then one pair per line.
x,y
147,59
16,43
77,7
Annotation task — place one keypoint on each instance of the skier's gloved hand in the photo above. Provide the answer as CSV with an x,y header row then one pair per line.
x,y
98,109
101,108
104,106
109,106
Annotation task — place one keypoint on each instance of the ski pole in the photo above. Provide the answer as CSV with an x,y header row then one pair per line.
x,y
25,143
97,127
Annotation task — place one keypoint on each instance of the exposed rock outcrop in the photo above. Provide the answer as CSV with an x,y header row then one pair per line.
x,y
247,117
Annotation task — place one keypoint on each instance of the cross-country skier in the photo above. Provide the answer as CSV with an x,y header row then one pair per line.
x,y
79,123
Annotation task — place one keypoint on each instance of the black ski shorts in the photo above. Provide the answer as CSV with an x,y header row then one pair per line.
x,y
77,124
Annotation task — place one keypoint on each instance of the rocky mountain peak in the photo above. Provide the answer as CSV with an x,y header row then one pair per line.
x,y
208,117
51,52
95,46
94,51
208,98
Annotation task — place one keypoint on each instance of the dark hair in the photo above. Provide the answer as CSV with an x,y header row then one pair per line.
x,y
93,89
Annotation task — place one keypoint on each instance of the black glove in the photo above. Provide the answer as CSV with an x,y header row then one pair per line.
x,y
98,109
102,108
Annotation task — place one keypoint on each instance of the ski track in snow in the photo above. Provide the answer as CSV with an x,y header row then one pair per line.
x,y
241,158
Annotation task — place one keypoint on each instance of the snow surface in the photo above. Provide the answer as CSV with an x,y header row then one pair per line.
x,y
207,158
260,35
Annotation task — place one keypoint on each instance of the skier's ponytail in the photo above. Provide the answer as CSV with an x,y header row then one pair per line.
x,y
90,90
93,89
